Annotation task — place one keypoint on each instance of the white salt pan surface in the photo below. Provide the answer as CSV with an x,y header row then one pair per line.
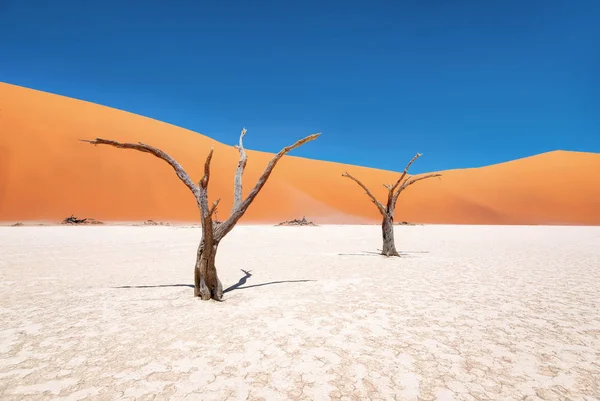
x,y
469,313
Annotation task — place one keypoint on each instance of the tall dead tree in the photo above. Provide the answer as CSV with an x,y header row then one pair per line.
x,y
206,282
387,211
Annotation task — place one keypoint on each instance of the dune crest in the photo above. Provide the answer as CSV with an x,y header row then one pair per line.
x,y
47,174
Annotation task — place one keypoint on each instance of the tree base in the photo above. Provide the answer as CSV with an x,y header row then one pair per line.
x,y
390,253
387,228
206,282
204,292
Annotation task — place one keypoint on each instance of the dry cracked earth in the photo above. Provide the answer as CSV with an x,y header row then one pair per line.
x,y
468,313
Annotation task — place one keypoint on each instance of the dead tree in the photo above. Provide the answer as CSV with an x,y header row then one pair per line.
x,y
387,211
74,220
206,282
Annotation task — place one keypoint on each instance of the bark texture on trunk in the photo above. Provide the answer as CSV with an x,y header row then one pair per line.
x,y
206,281
387,229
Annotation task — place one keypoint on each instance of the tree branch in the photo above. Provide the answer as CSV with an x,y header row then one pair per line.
x,y
369,194
406,171
205,212
237,183
202,198
408,183
213,209
204,180
393,197
183,176
238,212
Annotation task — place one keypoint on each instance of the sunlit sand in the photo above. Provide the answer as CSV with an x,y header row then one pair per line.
x,y
468,313
46,172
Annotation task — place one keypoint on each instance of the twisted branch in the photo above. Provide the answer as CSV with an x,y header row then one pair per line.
x,y
183,176
369,194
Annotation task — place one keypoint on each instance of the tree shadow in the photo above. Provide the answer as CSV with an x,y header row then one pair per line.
x,y
269,283
371,253
156,286
236,286
364,253
240,283
247,275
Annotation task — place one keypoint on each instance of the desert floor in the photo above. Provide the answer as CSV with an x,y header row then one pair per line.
x,y
469,312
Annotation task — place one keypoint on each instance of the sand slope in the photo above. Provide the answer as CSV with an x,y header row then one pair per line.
x,y
470,313
47,174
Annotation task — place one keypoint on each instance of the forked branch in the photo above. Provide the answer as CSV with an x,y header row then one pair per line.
x,y
408,183
404,182
183,176
405,171
239,211
369,194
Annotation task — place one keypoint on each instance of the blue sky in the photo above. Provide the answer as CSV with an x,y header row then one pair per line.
x,y
467,83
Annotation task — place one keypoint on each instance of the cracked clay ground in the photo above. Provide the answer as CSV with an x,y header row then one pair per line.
x,y
470,313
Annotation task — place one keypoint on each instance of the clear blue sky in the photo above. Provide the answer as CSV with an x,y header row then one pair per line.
x,y
467,83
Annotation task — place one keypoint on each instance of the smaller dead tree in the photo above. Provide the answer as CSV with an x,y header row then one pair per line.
x,y
206,282
387,211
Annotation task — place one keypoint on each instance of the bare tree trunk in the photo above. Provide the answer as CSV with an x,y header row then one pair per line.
x,y
206,281
387,229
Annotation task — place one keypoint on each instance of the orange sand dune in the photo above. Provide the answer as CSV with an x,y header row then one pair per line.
x,y
46,173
